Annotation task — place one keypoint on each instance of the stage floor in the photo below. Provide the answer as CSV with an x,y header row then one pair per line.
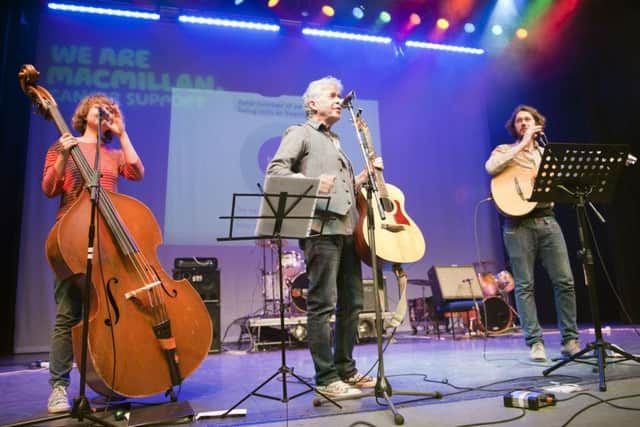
x,y
472,373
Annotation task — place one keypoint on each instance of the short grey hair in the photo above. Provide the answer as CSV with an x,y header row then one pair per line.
x,y
314,89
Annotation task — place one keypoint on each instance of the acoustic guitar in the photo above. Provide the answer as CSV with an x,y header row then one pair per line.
x,y
398,238
511,190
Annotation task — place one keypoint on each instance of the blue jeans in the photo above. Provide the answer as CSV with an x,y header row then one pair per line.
x,y
335,286
68,312
542,238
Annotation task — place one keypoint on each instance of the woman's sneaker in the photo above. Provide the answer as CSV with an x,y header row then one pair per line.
x,y
58,401
338,389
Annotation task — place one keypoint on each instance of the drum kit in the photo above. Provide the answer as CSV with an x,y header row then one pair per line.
x,y
294,279
497,313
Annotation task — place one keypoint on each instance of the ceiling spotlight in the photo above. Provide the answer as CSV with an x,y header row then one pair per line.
x,y
522,33
496,29
238,2
414,19
469,27
328,10
358,12
384,17
442,23
273,3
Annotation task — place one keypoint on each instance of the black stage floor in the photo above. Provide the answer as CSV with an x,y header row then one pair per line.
x,y
472,373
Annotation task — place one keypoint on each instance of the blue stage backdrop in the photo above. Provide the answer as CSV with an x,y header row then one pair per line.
x,y
205,108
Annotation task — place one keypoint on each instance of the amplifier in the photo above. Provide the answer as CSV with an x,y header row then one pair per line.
x,y
205,280
195,262
369,302
454,282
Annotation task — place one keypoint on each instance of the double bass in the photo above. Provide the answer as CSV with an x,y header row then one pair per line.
x,y
146,331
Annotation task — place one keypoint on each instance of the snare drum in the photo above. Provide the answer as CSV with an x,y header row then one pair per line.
x,y
292,263
498,315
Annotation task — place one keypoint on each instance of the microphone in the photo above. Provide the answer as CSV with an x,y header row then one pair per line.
x,y
346,101
104,113
541,139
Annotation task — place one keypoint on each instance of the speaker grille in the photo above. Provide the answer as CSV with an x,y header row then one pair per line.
x,y
454,282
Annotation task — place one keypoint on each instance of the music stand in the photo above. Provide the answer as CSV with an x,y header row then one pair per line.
x,y
581,174
382,388
286,212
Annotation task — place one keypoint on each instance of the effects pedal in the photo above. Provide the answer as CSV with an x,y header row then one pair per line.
x,y
529,399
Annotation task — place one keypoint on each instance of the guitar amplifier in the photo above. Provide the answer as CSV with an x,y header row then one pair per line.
x,y
454,282
195,262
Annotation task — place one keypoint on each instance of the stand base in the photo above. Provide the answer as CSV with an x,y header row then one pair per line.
x,y
599,347
383,390
284,371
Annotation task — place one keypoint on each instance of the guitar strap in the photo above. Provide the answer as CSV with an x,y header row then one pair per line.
x,y
401,309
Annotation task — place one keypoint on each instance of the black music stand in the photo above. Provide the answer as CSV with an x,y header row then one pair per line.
x,y
382,388
581,174
285,214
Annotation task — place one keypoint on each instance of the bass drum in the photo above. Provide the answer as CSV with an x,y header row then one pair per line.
x,y
496,315
298,290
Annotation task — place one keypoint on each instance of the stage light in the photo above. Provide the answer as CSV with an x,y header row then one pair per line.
x,y
445,47
104,11
273,3
414,19
522,33
496,29
247,25
442,23
328,10
469,27
384,17
346,36
358,12
238,2
299,332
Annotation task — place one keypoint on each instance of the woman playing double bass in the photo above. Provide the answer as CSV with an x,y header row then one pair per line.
x,y
61,177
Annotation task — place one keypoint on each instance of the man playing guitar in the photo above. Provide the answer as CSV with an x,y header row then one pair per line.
x,y
531,232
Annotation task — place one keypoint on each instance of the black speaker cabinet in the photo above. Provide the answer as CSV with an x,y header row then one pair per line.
x,y
213,307
369,295
454,282
204,279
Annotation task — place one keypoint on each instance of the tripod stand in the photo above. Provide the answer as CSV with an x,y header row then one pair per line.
x,y
600,165
292,214
382,388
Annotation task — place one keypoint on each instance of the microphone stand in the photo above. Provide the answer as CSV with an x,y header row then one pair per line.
x,y
81,408
382,388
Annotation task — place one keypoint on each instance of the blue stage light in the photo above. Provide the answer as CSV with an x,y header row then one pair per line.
x,y
469,27
104,11
247,25
346,36
445,47
357,12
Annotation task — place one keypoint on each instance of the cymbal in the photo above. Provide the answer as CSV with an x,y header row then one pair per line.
x,y
419,282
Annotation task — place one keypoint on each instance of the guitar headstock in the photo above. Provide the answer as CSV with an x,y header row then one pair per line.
x,y
41,98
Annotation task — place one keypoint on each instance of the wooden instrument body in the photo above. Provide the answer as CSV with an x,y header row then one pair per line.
x,y
133,363
511,190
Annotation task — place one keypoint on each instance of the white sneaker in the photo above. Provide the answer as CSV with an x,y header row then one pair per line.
x,y
338,389
58,401
570,348
537,353
360,381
